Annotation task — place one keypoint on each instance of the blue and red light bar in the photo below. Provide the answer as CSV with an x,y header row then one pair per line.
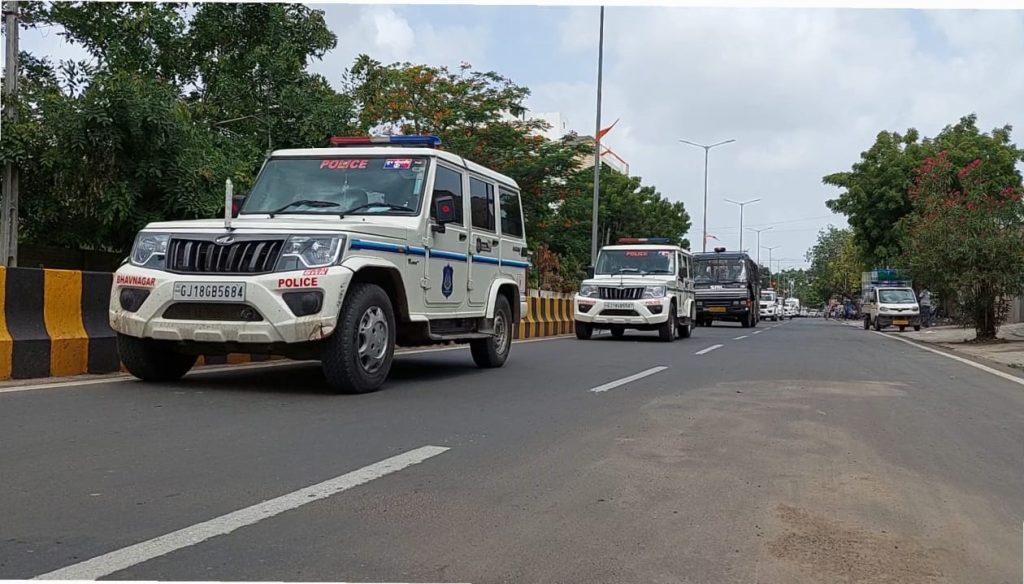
x,y
425,141
654,240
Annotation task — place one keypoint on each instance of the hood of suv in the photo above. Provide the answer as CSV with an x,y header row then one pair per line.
x,y
630,280
382,226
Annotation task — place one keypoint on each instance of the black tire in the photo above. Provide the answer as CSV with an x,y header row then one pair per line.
x,y
748,321
867,322
878,324
153,360
902,328
617,331
917,327
584,330
366,305
667,330
493,352
685,329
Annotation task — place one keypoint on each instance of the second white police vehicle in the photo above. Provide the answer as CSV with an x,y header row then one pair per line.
x,y
642,284
337,254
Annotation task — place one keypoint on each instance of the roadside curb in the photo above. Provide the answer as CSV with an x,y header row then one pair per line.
x,y
996,369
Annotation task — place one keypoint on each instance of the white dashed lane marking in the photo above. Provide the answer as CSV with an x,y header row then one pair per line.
x,y
625,380
708,350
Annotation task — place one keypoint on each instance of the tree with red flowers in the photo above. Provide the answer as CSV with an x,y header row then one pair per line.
x,y
965,234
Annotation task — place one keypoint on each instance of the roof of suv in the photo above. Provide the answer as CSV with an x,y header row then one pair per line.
x,y
398,151
658,246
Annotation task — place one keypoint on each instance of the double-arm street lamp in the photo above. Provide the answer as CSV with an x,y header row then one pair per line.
x,y
770,248
758,232
707,148
741,205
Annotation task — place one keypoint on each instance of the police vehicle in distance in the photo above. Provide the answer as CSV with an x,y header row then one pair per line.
x,y
641,284
727,287
769,307
337,254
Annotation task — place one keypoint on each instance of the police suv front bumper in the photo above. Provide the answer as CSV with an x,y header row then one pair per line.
x,y
627,313
262,316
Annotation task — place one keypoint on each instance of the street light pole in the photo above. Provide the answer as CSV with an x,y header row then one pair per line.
x,y
741,205
758,231
707,148
770,248
9,205
597,144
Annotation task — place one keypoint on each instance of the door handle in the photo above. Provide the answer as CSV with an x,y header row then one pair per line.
x,y
462,237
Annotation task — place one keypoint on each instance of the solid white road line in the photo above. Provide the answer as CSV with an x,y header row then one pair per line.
x,y
135,554
757,332
708,350
120,378
740,338
625,380
975,364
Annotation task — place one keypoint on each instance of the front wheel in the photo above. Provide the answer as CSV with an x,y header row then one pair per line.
x,y
357,357
878,324
153,360
685,329
493,352
867,322
917,327
667,329
584,330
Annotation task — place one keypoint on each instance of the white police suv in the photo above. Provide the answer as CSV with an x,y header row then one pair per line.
x,y
336,254
642,284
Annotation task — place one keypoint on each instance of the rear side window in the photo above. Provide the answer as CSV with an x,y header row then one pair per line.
x,y
481,202
447,182
511,214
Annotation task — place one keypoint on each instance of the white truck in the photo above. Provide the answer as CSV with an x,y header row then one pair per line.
x,y
791,308
337,254
642,284
769,307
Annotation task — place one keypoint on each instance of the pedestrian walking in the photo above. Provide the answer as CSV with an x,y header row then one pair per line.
x,y
925,301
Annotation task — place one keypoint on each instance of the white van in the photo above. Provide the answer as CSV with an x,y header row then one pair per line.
x,y
897,307
337,254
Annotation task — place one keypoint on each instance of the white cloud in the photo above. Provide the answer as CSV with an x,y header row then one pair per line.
x,y
802,91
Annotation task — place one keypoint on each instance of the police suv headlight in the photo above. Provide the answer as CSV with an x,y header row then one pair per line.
x,y
150,249
655,292
310,251
588,290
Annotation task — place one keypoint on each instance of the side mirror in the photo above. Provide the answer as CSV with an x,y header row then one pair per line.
x,y
236,204
444,212
590,271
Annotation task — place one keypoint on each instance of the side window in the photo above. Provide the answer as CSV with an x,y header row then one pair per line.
x,y
511,214
481,204
448,182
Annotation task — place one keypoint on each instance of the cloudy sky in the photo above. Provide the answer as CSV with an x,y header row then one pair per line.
x,y
802,91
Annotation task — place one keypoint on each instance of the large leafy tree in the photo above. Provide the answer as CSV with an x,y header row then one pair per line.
x,y
876,189
835,265
965,236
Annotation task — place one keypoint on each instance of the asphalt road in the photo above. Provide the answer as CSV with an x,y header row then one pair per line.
x,y
808,452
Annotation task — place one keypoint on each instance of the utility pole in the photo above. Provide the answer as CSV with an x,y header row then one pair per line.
x,y
770,260
9,205
741,205
758,231
597,144
707,148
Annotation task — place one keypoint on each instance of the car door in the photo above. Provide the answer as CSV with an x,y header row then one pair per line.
x,y
447,267
514,255
485,247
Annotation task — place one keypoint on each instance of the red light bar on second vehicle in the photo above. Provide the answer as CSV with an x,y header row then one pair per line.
x,y
655,240
426,141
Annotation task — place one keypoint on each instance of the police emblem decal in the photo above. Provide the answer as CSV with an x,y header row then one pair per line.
x,y
447,281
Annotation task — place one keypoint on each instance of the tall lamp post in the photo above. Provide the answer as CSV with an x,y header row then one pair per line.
x,y
707,148
741,205
770,248
597,144
758,232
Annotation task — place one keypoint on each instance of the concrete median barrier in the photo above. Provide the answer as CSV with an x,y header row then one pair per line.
x,y
54,323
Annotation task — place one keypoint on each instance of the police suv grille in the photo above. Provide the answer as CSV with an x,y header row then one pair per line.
x,y
607,293
618,312
198,256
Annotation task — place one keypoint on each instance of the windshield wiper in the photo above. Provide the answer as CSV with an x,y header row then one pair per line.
x,y
306,203
387,206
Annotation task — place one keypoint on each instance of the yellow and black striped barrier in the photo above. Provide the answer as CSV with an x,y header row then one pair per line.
x,y
54,323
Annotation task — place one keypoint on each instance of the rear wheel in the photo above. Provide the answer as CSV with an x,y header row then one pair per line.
x,y
617,331
357,357
493,352
583,330
153,360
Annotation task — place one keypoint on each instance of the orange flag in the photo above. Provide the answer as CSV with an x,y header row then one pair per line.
x,y
606,130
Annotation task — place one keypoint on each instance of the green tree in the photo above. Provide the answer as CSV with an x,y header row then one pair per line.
x,y
876,189
965,237
835,265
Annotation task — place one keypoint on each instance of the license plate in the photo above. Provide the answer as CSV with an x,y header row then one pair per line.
x,y
716,309
210,291
620,305
901,321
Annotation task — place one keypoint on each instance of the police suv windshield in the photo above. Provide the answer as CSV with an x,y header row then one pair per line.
x,y
896,297
613,262
363,185
720,271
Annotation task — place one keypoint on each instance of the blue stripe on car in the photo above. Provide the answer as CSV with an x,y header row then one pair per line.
x,y
437,253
